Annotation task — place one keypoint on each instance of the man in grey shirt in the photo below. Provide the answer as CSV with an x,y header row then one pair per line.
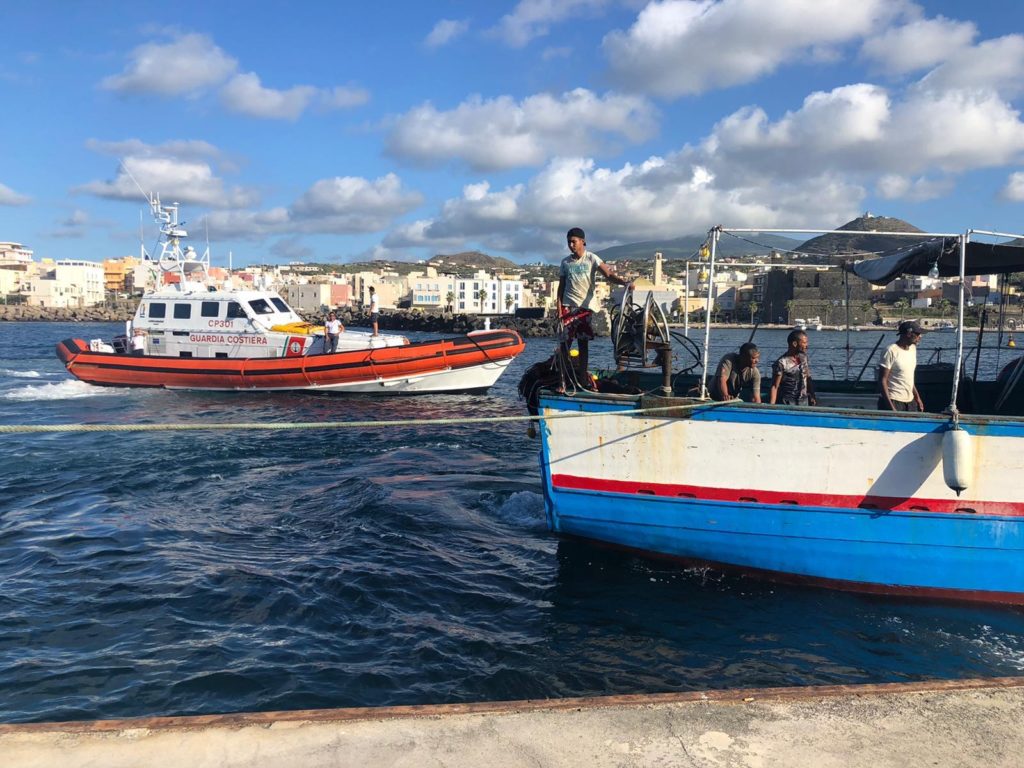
x,y
738,373
576,280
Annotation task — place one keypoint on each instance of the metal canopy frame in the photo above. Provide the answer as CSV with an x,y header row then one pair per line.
x,y
715,233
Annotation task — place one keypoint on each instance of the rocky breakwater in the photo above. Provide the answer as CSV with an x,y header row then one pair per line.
x,y
113,313
411,320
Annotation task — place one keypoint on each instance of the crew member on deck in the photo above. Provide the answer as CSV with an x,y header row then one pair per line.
x,y
374,310
738,375
791,374
899,393
576,279
138,342
332,330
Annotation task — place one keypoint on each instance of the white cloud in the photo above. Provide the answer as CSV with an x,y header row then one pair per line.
x,y
340,205
991,65
9,197
662,197
919,44
193,64
682,47
186,64
344,97
73,226
502,133
445,31
173,176
246,95
1014,189
892,186
531,19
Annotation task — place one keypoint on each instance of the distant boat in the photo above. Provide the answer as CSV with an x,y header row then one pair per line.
x,y
810,324
196,336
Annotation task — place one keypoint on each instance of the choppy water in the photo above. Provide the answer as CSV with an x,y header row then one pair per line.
x,y
184,573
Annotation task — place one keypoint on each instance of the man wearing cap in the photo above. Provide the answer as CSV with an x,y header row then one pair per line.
x,y
576,295
897,371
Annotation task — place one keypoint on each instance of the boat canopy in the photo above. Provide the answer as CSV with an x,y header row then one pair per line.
x,y
941,252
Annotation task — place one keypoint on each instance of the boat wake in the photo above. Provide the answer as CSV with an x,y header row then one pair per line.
x,y
11,373
524,509
64,390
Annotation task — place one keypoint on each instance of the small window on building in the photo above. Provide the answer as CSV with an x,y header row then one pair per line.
x,y
210,309
235,310
157,309
182,311
261,307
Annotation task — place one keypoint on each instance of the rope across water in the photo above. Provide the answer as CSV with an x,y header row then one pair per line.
x,y
207,426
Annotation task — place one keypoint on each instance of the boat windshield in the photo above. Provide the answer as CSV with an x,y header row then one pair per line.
x,y
261,307
281,306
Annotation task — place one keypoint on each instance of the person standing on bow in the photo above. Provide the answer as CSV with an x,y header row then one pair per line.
x,y
791,374
374,310
576,279
333,330
899,393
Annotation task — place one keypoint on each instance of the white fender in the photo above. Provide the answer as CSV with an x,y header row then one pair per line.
x,y
957,459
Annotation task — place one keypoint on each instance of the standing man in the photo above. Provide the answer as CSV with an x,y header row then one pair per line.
x,y
899,393
138,342
791,374
374,309
738,373
333,328
576,280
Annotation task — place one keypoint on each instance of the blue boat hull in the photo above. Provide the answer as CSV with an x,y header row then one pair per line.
x,y
953,550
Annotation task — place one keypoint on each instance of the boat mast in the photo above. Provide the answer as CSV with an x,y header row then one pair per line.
x,y
713,236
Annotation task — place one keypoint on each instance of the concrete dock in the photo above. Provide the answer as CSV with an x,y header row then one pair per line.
x,y
944,723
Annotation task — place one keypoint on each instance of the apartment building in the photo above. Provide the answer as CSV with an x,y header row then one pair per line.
x,y
68,283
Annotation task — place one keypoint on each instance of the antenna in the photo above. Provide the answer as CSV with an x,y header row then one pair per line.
x,y
125,169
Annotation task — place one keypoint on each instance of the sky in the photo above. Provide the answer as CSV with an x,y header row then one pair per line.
x,y
340,131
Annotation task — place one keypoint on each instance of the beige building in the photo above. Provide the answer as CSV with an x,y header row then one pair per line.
x,y
68,283
119,274
14,253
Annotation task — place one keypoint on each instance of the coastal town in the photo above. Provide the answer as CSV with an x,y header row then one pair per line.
x,y
802,287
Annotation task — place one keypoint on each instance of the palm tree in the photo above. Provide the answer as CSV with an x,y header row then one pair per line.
x,y
753,311
944,306
450,298
902,304
482,295
508,302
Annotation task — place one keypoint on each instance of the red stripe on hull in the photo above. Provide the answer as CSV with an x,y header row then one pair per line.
x,y
795,498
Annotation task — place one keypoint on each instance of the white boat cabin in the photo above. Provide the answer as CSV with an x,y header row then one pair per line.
x,y
199,322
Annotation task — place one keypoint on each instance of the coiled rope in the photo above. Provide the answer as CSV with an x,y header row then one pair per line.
x,y
207,426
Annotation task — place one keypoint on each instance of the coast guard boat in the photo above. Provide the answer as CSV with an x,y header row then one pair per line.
x,y
919,504
198,336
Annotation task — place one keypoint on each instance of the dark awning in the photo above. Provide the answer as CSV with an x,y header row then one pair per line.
x,y
982,259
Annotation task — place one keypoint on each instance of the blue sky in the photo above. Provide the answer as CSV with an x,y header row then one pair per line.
x,y
322,131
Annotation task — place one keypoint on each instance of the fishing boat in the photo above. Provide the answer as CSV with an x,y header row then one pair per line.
x,y
917,504
190,334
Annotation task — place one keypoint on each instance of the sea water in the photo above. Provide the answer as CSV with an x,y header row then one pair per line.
x,y
167,573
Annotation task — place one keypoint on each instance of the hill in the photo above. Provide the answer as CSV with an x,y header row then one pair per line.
x,y
832,245
686,247
471,260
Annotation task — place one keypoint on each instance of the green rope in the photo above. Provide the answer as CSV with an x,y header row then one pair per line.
x,y
202,426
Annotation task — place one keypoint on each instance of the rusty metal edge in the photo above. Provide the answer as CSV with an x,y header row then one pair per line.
x,y
725,697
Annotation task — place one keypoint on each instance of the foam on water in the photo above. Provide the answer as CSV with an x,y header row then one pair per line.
x,y
19,374
524,509
64,390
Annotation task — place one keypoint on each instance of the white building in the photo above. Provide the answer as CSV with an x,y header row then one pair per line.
x,y
500,295
70,283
